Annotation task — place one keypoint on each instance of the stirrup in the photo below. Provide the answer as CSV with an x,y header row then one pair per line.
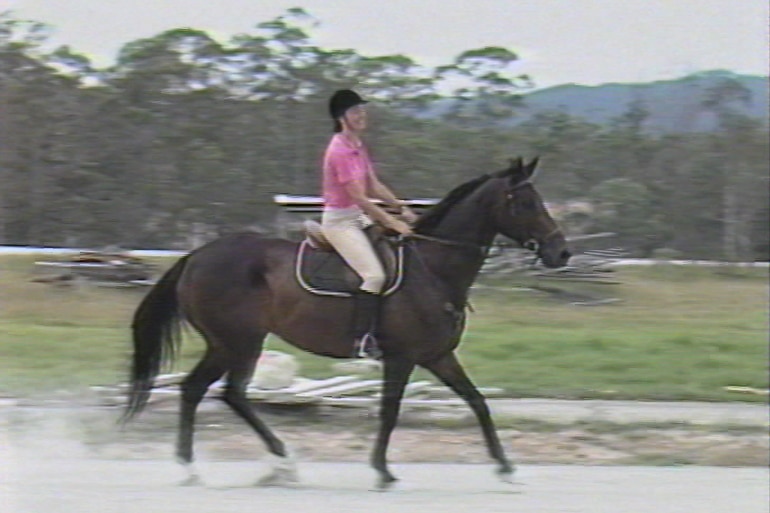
x,y
366,347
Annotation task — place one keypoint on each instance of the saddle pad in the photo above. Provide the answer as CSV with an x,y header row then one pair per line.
x,y
325,272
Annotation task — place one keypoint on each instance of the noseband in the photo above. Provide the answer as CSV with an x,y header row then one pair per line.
x,y
534,245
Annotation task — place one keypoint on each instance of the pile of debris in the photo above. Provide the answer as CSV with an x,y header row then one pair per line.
x,y
276,382
575,283
113,269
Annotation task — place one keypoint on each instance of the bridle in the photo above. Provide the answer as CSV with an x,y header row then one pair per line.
x,y
531,244
481,251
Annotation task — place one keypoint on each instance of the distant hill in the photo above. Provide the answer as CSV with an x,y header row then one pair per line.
x,y
673,105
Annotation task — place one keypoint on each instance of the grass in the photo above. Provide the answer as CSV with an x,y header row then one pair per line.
x,y
680,333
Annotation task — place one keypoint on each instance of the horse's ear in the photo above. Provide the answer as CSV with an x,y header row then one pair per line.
x,y
529,169
515,164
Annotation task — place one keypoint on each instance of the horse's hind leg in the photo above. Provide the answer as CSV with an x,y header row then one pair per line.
x,y
284,470
449,371
194,387
235,397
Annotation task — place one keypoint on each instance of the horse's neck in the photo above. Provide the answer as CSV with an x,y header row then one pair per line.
x,y
458,265
467,223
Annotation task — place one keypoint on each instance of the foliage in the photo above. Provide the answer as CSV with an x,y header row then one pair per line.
x,y
187,137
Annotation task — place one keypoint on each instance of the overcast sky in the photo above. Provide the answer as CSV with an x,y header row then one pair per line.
x,y
559,41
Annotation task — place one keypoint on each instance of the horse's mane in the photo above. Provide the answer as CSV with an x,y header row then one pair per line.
x,y
430,220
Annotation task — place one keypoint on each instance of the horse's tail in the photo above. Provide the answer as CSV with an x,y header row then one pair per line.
x,y
156,337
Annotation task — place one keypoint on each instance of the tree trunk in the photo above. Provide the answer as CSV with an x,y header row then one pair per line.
x,y
4,162
730,224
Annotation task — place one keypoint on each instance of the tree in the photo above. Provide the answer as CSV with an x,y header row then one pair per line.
x,y
39,124
187,137
627,208
483,84
740,147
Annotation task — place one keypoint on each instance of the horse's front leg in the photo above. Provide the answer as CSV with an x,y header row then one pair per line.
x,y
452,374
396,374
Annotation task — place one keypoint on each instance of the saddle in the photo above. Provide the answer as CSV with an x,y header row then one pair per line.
x,y
321,270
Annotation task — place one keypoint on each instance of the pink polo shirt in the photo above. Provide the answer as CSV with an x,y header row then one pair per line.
x,y
344,163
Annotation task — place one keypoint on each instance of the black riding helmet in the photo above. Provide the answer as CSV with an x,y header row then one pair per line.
x,y
340,102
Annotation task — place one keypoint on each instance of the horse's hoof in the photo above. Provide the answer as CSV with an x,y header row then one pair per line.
x,y
193,477
386,482
283,473
193,480
271,479
505,473
278,478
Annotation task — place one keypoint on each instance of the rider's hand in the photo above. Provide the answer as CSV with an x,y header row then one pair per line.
x,y
398,226
408,215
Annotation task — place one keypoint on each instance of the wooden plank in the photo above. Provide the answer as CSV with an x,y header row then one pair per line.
x,y
308,385
75,265
159,395
164,380
747,390
442,391
414,388
359,402
417,387
267,396
597,302
433,403
301,392
349,402
345,389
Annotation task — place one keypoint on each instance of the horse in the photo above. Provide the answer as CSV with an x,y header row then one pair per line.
x,y
240,287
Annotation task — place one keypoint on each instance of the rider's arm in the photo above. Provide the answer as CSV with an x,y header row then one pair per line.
x,y
357,192
381,191
354,175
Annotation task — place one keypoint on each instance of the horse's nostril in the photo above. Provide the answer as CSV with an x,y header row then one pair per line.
x,y
565,255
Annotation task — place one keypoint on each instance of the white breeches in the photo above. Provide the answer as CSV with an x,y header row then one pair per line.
x,y
343,228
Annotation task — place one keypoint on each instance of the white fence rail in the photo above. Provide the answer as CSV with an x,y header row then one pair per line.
x,y
31,250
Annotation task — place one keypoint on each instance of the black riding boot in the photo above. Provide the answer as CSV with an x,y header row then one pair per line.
x,y
366,313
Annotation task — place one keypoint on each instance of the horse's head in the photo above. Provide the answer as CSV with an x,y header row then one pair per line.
x,y
519,213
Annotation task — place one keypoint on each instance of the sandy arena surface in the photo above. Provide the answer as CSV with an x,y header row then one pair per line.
x,y
111,486
65,459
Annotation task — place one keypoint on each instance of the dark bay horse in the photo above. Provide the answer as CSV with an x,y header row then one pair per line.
x,y
237,289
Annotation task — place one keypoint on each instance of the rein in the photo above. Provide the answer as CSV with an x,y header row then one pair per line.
x,y
409,240
445,242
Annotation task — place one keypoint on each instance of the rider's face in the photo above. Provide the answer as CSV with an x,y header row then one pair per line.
x,y
355,118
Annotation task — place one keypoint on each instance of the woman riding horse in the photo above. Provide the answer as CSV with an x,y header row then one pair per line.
x,y
349,180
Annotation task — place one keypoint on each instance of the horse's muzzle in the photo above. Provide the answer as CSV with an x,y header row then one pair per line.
x,y
554,254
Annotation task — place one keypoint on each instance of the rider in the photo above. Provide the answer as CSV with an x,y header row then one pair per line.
x,y
349,180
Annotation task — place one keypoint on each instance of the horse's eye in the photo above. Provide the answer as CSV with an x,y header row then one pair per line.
x,y
527,203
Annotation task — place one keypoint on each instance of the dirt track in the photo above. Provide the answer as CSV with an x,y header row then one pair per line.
x,y
73,460
108,486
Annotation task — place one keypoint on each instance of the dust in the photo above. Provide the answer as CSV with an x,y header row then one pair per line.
x,y
347,435
76,459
